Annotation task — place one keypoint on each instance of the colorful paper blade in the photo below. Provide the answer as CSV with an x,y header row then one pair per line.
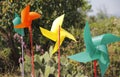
x,y
83,57
90,48
49,34
56,45
67,34
56,23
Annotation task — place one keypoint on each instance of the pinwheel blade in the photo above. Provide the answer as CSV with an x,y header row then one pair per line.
x,y
56,45
34,15
88,40
105,39
56,23
16,15
83,57
67,34
104,63
25,13
48,34
109,38
22,25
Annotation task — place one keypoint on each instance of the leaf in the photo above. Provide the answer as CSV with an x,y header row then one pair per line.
x,y
46,57
47,71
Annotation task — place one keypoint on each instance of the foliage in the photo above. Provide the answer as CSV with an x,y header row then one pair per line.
x,y
6,65
47,67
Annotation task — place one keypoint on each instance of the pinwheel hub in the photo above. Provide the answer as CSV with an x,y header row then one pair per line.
x,y
102,49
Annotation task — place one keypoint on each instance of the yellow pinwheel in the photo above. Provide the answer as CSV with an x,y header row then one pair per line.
x,y
53,34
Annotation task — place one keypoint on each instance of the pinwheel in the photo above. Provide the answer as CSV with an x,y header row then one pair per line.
x,y
17,21
26,21
53,34
96,49
57,34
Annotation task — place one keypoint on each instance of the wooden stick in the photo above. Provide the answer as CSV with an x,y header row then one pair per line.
x,y
59,52
32,52
95,68
22,56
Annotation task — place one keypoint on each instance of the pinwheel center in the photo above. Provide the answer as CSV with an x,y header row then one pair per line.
x,y
102,48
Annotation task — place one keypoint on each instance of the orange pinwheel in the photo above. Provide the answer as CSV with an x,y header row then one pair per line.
x,y
27,17
26,21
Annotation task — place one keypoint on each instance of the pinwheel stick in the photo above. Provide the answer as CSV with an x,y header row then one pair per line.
x,y
59,51
95,68
22,57
32,52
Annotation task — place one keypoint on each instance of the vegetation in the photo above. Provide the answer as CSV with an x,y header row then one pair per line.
x,y
74,22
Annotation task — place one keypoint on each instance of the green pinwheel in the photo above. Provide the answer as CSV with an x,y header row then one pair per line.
x,y
16,21
96,49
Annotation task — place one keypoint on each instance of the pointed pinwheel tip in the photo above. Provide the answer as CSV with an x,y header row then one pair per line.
x,y
16,15
87,30
16,20
75,40
63,15
87,24
28,6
